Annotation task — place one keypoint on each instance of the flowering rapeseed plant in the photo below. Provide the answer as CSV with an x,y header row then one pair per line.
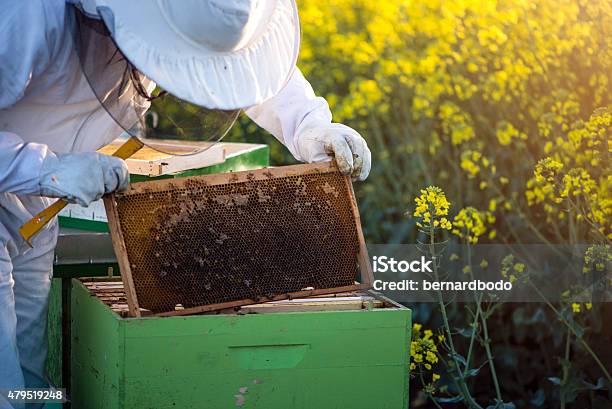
x,y
577,307
596,257
575,181
424,355
470,224
512,270
432,208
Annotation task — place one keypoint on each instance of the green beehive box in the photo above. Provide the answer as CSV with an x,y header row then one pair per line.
x,y
314,359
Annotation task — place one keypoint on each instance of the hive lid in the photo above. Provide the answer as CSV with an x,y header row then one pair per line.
x,y
219,241
188,155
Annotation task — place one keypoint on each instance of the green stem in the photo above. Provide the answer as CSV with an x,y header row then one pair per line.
x,y
476,317
487,347
483,320
461,380
472,339
429,395
565,368
573,330
572,226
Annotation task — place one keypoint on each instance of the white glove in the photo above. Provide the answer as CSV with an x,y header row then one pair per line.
x,y
82,177
318,143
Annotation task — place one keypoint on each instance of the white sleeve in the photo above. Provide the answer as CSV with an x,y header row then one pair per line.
x,y
25,52
25,46
293,109
20,164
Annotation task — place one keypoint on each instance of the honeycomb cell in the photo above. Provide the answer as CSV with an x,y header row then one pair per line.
x,y
247,235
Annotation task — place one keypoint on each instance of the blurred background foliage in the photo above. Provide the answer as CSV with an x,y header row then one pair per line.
x,y
504,104
468,95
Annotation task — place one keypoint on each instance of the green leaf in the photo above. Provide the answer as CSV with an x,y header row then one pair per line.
x,y
466,332
569,318
502,405
472,372
538,398
453,399
460,359
601,383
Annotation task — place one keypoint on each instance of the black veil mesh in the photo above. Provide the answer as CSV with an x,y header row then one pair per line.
x,y
141,109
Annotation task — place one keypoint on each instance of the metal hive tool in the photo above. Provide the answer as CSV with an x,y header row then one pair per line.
x,y
218,241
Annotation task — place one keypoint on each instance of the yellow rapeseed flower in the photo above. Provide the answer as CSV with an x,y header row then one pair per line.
x,y
470,224
432,208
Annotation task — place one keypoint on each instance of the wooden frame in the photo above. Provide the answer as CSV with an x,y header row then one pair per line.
x,y
110,291
114,226
225,178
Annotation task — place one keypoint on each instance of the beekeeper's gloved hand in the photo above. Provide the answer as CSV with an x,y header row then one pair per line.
x,y
82,177
318,143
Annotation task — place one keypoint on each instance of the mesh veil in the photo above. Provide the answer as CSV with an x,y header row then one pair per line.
x,y
135,103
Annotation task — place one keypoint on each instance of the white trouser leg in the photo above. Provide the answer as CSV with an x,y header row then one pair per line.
x,y
10,369
25,280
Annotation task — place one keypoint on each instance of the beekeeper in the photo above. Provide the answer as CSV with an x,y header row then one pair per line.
x,y
76,74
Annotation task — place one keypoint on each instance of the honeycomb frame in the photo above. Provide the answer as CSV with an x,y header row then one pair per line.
x,y
257,236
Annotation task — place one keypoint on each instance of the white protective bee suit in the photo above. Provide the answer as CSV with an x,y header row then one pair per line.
x,y
49,119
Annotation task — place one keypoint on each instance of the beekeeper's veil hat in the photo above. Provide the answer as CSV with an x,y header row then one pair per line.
x,y
218,54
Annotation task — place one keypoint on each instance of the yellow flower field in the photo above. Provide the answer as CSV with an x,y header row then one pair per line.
x,y
469,96
503,107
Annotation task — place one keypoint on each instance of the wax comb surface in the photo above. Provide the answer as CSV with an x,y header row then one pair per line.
x,y
209,242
